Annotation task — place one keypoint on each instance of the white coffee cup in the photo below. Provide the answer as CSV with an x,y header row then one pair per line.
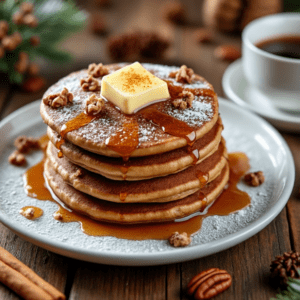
x,y
277,76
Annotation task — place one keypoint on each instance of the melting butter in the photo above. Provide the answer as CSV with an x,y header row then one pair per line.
x,y
132,88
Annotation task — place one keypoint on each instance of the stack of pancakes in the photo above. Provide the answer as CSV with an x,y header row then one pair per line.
x,y
159,164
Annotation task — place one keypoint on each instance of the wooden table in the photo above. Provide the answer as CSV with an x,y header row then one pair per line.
x,y
248,262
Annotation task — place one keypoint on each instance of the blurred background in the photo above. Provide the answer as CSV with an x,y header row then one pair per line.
x,y
44,40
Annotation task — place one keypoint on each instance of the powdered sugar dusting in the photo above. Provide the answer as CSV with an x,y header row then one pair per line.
x,y
239,137
200,112
101,128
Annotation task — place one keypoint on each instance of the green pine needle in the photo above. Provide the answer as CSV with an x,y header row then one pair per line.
x,y
57,19
292,292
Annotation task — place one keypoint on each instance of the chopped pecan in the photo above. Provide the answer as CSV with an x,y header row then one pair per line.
x,y
179,239
28,212
60,99
183,75
58,216
90,84
209,283
255,178
17,158
184,101
97,70
94,105
24,143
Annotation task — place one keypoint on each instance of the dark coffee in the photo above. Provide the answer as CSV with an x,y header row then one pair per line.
x,y
287,46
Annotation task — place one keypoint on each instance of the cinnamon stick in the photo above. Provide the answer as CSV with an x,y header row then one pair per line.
x,y
24,281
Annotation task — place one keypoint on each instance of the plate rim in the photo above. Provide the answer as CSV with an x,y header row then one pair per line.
x,y
172,255
283,123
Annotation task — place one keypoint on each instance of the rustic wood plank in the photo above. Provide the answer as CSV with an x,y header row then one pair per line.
x,y
51,267
94,281
293,205
248,263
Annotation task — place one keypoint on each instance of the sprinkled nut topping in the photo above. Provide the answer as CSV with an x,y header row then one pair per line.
x,y
179,239
255,178
60,99
94,105
28,213
17,158
184,101
183,75
97,70
25,143
58,216
90,84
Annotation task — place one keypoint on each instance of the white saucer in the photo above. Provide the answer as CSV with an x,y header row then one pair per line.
x,y
237,89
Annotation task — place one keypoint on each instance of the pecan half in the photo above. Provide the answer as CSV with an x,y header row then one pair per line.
x,y
17,158
25,143
183,75
184,101
94,105
179,239
209,283
255,178
90,84
58,100
97,70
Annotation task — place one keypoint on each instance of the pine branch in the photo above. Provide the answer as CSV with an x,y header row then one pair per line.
x,y
292,292
56,20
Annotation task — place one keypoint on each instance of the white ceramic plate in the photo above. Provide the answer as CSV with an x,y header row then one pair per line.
x,y
237,89
244,131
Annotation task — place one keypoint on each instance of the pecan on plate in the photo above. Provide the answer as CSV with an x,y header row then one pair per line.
x,y
209,283
179,239
97,70
90,84
17,158
183,75
184,101
58,100
255,178
25,143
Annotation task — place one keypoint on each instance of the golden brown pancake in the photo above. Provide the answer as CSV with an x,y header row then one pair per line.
x,y
153,138
141,168
128,213
162,189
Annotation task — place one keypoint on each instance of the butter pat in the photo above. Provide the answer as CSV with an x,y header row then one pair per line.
x,y
132,88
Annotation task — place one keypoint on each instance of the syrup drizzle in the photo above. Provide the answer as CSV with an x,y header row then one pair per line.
x,y
79,121
125,140
169,124
231,200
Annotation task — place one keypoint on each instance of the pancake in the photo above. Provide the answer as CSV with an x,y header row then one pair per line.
x,y
134,212
151,125
162,189
141,168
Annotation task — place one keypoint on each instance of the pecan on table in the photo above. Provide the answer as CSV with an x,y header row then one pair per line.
x,y
209,283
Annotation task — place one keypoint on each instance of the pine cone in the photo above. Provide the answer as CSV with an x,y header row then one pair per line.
x,y
285,266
